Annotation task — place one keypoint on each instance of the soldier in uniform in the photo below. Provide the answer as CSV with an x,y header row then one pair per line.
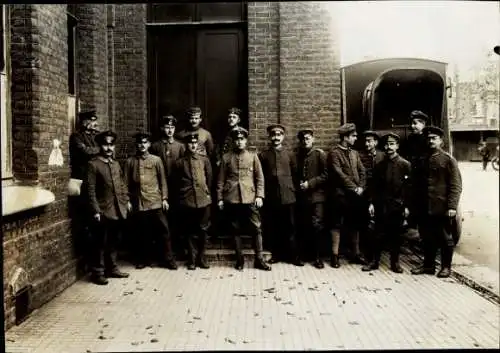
x,y
233,121
389,203
170,150
280,172
370,157
440,201
416,151
205,141
240,192
109,204
82,148
193,173
312,176
148,193
348,181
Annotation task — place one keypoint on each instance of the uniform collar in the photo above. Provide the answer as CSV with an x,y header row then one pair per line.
x,y
344,148
394,156
106,160
143,156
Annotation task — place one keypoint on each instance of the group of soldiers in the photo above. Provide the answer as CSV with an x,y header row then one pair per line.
x,y
302,194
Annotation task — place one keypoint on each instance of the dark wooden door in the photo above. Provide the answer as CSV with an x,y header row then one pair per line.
x,y
198,66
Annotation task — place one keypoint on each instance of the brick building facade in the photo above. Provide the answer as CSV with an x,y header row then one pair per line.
x,y
64,58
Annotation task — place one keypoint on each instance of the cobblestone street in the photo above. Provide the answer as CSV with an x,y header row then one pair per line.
x,y
289,308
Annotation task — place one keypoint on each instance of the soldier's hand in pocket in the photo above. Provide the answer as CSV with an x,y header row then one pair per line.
x,y
406,212
258,202
129,207
97,217
221,205
452,213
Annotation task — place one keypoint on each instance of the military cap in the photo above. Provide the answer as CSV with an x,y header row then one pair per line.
x,y
91,114
100,137
417,114
393,135
168,120
191,137
433,130
372,133
496,49
194,111
302,133
239,132
346,129
235,110
139,136
273,127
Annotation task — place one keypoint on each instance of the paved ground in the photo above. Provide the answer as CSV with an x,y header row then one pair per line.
x,y
289,308
480,206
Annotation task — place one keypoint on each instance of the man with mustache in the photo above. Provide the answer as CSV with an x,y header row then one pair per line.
x,y
148,192
109,204
443,187
280,174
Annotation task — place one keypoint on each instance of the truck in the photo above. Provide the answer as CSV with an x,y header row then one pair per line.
x,y
380,94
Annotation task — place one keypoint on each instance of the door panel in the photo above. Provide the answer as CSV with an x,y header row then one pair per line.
x,y
198,66
219,78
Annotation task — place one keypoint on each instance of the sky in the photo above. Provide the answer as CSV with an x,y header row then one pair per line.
x,y
460,33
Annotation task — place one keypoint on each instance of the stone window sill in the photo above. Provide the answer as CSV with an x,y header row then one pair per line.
x,y
18,198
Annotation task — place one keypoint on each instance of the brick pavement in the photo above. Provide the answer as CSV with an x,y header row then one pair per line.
x,y
287,308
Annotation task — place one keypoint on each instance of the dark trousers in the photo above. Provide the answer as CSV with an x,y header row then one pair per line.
x,y
174,218
151,227
310,217
436,233
386,234
485,162
80,229
281,227
243,217
196,224
103,241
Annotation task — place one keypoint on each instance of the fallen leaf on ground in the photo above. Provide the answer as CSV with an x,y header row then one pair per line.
x,y
300,283
287,303
286,280
108,302
290,314
196,318
11,340
302,318
105,325
100,319
245,341
325,314
292,287
137,282
139,288
397,281
282,333
154,340
228,340
255,314
353,323
190,322
388,289
101,337
370,274
151,333
200,331
313,288
270,290
147,328
278,299
230,275
135,343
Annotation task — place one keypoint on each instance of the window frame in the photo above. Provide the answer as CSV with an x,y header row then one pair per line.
x,y
6,110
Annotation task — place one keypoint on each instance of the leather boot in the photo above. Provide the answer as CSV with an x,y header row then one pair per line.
x,y
99,279
423,269
446,258
373,265
240,263
201,262
318,263
260,264
395,265
334,261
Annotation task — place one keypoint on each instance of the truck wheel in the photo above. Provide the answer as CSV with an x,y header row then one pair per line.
x,y
494,163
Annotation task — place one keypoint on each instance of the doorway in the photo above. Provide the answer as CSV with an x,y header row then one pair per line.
x,y
202,65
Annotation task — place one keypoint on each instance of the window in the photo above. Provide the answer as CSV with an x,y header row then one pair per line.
x,y
197,12
5,107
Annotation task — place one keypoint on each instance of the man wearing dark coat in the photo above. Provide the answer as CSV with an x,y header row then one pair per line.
x,y
148,193
170,150
312,176
280,172
193,173
240,192
347,182
109,205
439,204
205,141
82,148
389,201
370,156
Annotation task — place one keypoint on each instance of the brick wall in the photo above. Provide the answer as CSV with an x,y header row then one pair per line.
x,y
92,39
111,66
293,70
39,240
130,74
